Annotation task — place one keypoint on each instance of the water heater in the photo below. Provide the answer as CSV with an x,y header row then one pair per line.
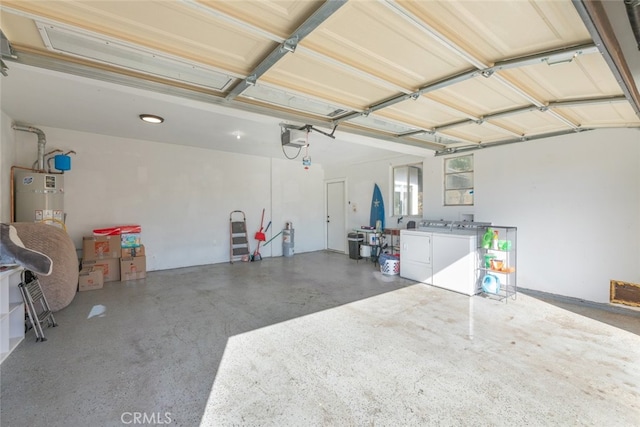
x,y
38,196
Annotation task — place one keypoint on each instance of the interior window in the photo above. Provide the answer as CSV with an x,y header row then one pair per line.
x,y
458,181
407,190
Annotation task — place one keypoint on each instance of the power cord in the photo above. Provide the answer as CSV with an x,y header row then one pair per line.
x,y
282,131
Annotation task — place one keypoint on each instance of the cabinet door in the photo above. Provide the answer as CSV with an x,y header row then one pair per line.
x,y
415,256
454,262
416,248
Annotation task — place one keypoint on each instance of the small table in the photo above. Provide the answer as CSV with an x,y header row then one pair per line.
x,y
371,239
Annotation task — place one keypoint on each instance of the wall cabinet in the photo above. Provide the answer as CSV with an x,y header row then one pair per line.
x,y
11,311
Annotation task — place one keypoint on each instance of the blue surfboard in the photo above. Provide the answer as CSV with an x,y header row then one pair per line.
x,y
377,207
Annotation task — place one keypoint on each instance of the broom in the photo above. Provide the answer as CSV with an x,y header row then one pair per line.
x,y
260,237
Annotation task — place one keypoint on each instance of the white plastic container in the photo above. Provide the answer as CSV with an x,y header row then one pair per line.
x,y
365,251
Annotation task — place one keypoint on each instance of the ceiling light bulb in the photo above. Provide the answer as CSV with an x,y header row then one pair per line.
x,y
150,118
238,135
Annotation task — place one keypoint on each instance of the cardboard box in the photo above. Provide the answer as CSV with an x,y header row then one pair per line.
x,y
100,247
110,267
130,240
129,252
90,278
133,268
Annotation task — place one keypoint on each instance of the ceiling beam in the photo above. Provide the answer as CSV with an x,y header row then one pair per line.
x,y
535,102
327,9
139,81
447,81
483,68
595,19
246,26
520,110
527,60
457,150
587,101
548,56
551,57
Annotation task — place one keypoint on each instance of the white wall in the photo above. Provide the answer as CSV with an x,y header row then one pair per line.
x,y
298,198
181,196
7,159
575,200
361,178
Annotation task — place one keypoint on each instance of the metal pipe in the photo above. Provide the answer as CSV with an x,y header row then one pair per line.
x,y
42,141
49,159
633,12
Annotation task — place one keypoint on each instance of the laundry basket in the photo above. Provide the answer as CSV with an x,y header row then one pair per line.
x,y
389,264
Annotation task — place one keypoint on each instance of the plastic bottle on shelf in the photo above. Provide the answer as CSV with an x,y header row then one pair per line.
x,y
487,238
495,239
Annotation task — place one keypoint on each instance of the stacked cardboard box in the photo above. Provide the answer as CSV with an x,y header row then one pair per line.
x,y
103,252
117,252
133,264
90,278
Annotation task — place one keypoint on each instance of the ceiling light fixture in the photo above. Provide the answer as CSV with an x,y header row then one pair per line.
x,y
150,118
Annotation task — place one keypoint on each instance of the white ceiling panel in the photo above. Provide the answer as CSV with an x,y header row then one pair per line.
x,y
478,133
348,37
585,76
405,71
478,96
277,17
422,112
592,116
495,30
531,123
312,76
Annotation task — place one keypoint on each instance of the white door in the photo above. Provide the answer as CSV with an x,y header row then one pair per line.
x,y
336,237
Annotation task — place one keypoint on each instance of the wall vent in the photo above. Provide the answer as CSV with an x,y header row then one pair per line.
x,y
625,293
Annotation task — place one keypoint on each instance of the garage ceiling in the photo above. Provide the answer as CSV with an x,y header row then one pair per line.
x,y
444,75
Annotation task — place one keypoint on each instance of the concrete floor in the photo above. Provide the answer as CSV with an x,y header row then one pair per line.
x,y
318,339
